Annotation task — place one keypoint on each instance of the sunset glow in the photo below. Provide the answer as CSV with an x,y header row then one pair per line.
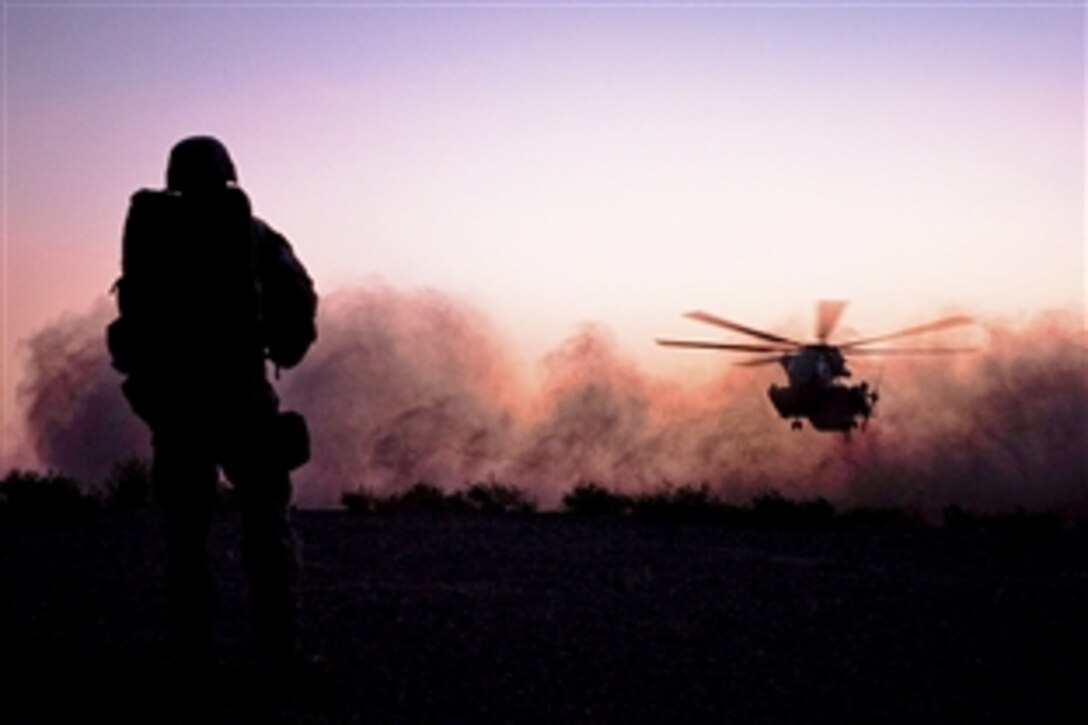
x,y
554,166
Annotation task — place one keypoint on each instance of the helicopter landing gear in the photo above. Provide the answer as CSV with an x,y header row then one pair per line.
x,y
795,425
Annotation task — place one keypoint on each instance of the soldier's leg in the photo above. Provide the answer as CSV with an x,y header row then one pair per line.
x,y
184,477
269,557
263,487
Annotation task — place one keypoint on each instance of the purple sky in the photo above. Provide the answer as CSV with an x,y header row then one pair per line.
x,y
561,164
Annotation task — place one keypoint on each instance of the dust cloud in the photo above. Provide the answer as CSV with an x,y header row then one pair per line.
x,y
75,419
408,386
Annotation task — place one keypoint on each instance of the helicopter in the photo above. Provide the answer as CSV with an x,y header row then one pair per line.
x,y
815,370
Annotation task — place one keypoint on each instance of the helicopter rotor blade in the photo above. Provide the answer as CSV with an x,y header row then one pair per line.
x,y
875,351
710,319
942,324
727,346
760,361
828,313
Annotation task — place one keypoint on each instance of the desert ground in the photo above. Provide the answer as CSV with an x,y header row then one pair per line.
x,y
551,618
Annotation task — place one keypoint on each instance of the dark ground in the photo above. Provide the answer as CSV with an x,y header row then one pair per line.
x,y
465,618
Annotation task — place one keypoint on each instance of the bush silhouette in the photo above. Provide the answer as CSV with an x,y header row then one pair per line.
x,y
30,498
361,501
683,504
592,499
489,498
423,497
496,498
774,509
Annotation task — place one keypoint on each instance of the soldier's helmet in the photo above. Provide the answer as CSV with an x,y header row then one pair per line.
x,y
199,163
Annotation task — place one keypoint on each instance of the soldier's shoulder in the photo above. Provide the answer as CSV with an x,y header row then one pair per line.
x,y
268,237
150,198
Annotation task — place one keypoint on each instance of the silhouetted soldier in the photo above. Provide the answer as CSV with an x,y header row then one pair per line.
x,y
207,292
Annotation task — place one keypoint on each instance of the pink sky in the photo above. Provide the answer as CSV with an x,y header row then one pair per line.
x,y
561,165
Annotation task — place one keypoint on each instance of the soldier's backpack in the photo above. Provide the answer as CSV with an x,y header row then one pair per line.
x,y
207,289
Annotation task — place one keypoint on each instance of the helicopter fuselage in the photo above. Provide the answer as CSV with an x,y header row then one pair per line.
x,y
815,393
814,366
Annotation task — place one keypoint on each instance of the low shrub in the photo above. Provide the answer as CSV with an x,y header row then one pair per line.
x,y
683,504
591,499
360,501
496,498
423,497
31,498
